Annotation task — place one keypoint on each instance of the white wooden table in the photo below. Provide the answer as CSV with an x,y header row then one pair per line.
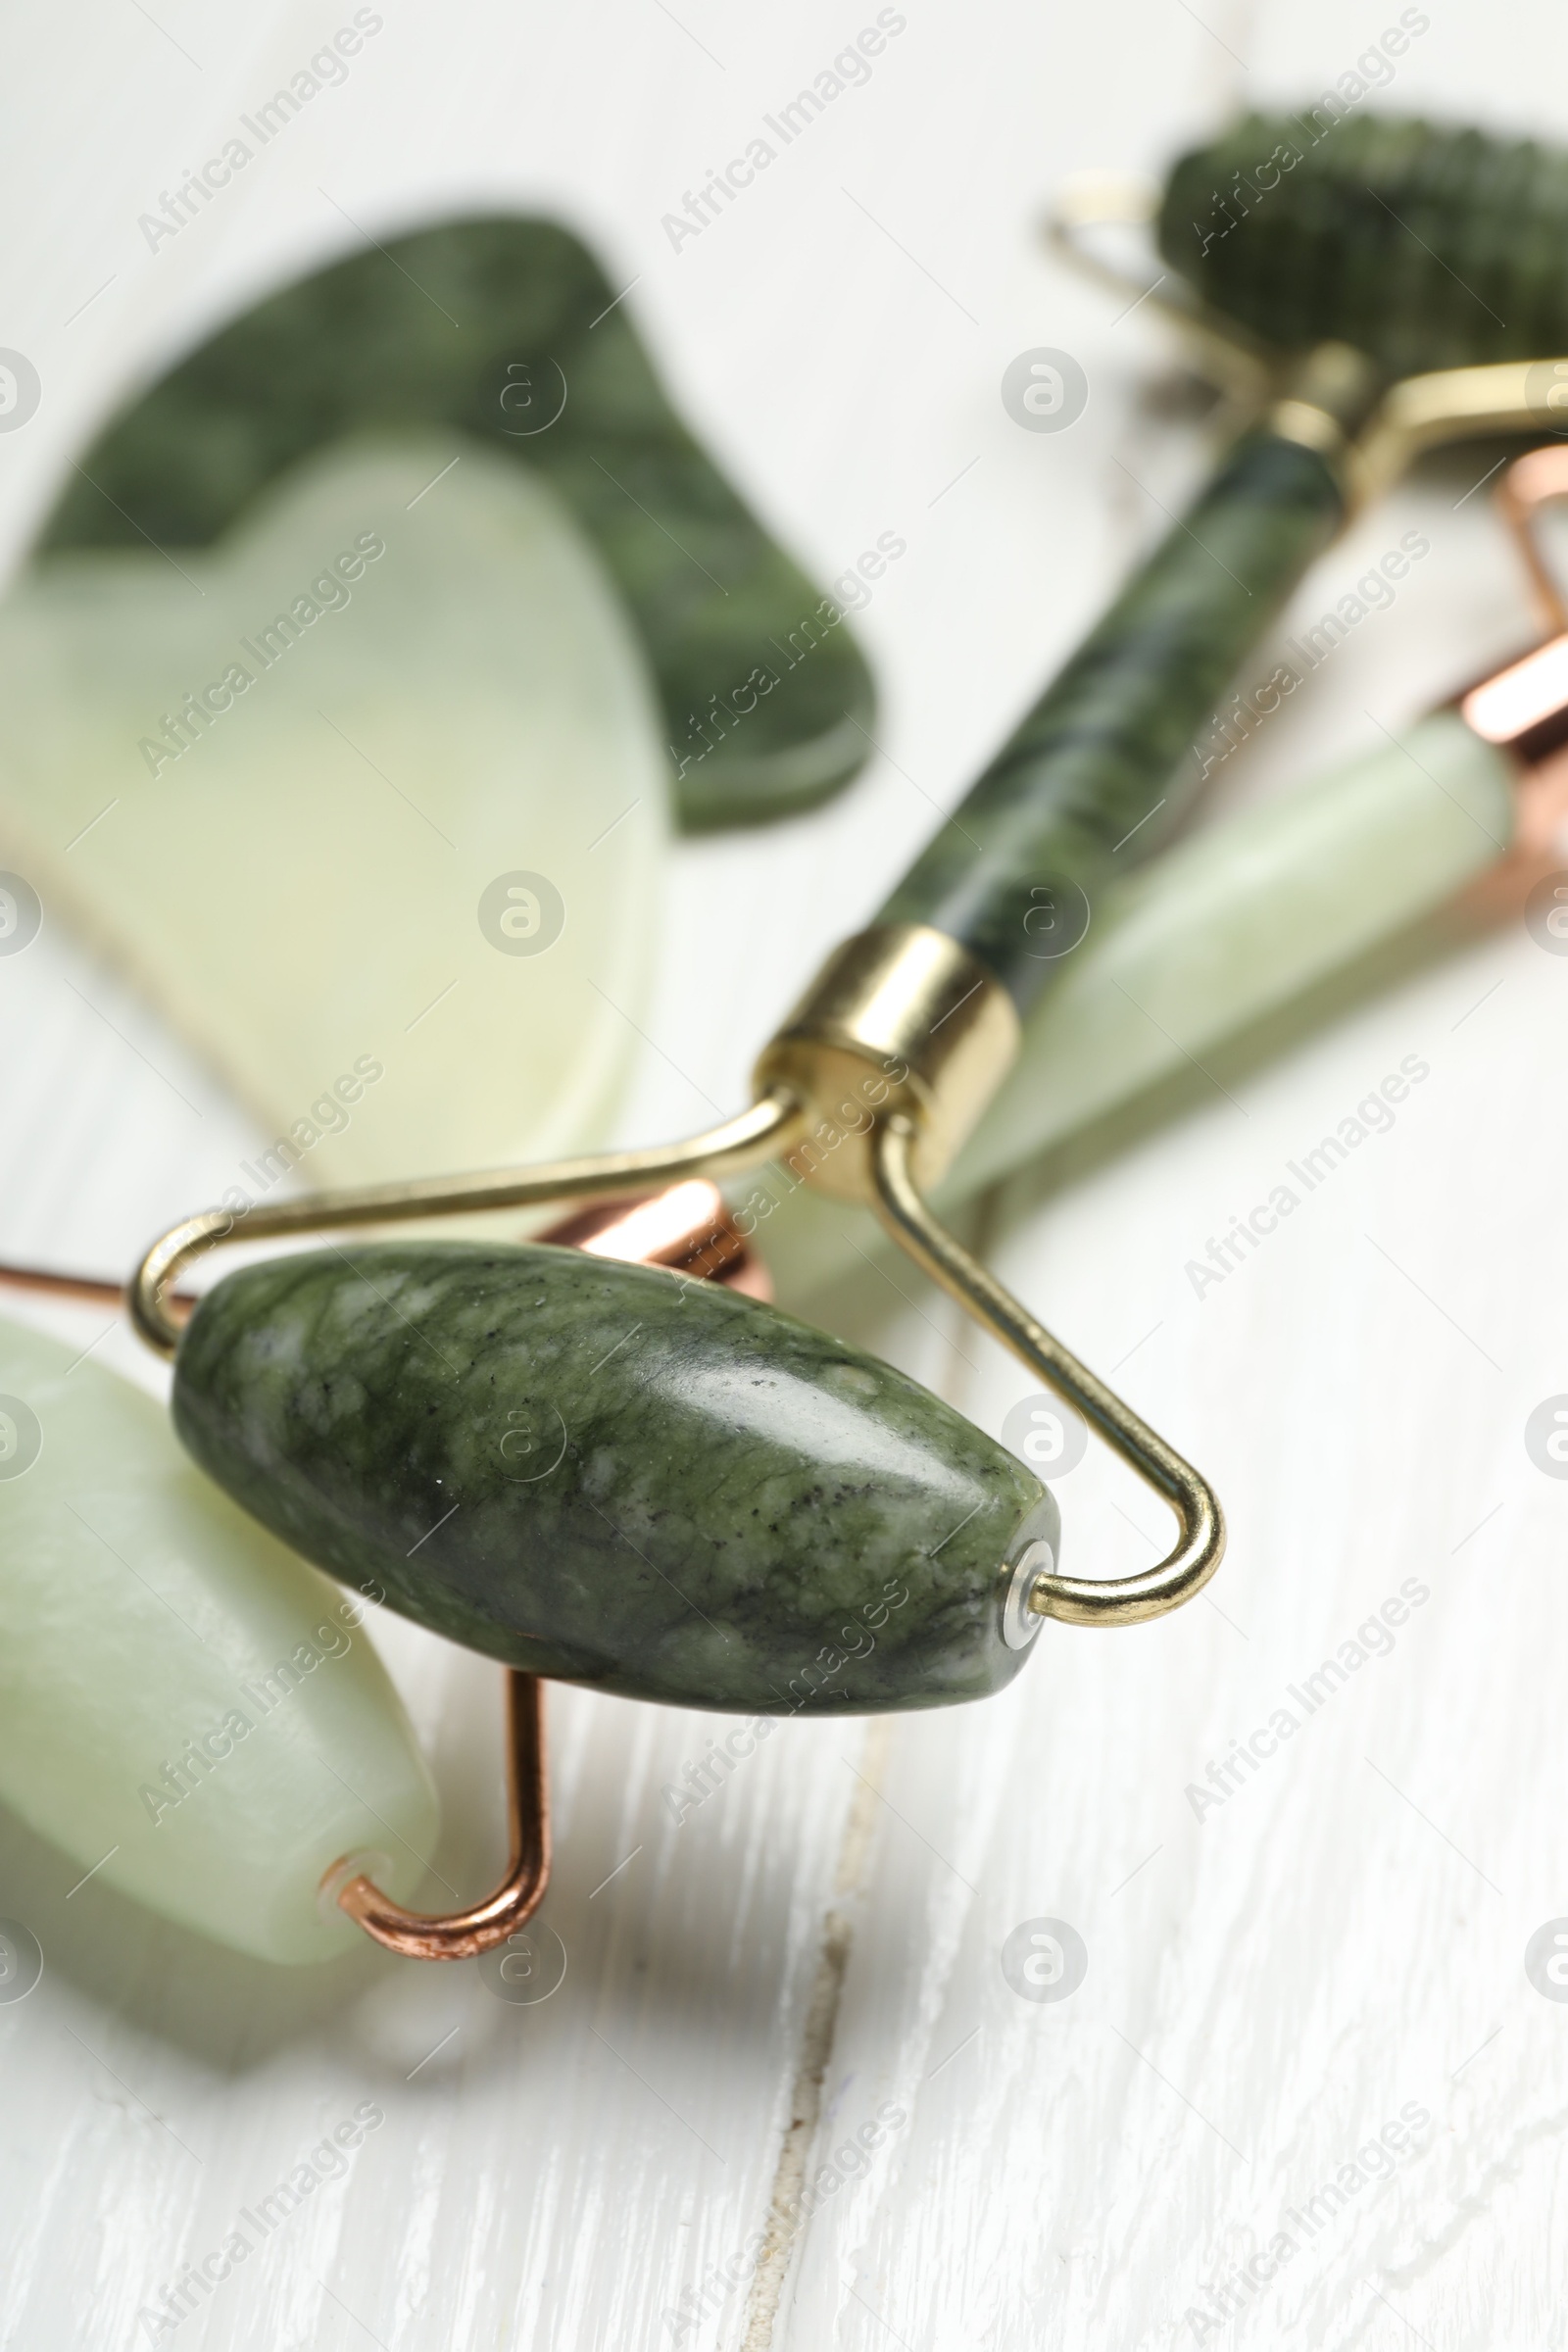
x,y
1205,2141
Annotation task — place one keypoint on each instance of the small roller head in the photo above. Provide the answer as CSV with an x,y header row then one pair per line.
x,y
1425,247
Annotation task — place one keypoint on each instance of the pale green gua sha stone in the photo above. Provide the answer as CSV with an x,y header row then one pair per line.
x,y
606,1474
186,1709
396,869
1240,918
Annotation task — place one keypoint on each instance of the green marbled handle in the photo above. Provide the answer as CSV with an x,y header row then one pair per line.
x,y
1065,804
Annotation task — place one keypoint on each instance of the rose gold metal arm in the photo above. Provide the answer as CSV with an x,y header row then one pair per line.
x,y
1077,1601
461,1934
89,1290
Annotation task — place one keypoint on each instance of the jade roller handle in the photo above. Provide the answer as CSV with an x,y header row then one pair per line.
x,y
1070,801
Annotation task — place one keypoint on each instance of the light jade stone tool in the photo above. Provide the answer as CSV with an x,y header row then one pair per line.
x,y
369,799
186,1709
669,1491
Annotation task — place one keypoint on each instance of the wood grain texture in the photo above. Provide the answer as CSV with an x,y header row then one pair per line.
x,y
820,1941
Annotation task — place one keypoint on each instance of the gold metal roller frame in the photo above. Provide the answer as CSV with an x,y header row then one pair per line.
x,y
867,1092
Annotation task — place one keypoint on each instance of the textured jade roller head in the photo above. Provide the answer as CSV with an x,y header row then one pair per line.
x,y
1423,246
1373,275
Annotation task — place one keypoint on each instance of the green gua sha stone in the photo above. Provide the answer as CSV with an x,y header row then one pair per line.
x,y
507,331
316,887
599,1473
189,1712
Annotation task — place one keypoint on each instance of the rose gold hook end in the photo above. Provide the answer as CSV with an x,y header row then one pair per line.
x,y
461,1934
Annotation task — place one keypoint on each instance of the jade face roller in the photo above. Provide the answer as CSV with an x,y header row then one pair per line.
x,y
793,1483
728,1489
1219,930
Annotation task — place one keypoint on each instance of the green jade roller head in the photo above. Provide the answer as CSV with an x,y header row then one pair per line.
x,y
1424,246
596,1473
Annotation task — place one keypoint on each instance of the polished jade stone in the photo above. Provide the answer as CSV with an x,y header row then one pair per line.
x,y
1094,778
189,1712
507,331
605,1474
